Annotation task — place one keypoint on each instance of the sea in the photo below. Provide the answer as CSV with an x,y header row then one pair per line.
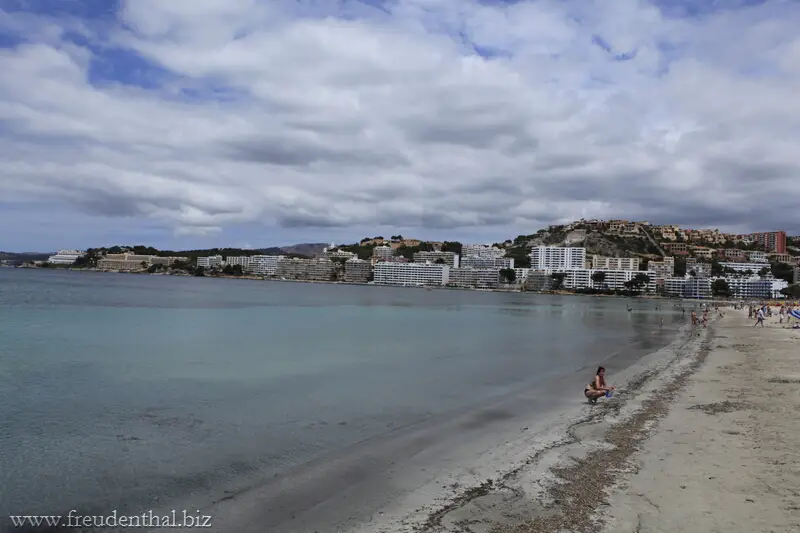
x,y
132,392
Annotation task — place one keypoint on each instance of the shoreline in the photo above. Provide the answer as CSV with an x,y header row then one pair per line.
x,y
490,479
514,289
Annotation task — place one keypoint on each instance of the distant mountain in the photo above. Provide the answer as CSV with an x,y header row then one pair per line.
x,y
309,249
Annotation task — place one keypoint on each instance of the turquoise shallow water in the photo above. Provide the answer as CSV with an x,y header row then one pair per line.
x,y
124,391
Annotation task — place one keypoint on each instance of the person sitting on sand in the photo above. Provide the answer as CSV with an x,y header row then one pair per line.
x,y
597,388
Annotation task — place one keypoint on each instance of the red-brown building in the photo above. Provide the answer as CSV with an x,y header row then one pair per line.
x,y
772,241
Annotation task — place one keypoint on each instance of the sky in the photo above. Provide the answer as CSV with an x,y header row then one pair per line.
x,y
253,123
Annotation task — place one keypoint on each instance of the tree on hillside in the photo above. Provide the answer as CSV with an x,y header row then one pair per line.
x,y
783,271
558,279
520,255
792,291
680,267
720,287
508,274
763,272
599,277
452,246
716,268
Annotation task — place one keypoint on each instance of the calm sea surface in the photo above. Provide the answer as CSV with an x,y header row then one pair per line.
x,y
124,391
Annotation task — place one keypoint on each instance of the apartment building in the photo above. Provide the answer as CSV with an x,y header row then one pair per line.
x,y
450,259
796,273
487,278
485,251
734,254
581,278
124,262
538,280
676,248
674,286
662,269
486,262
243,261
781,258
744,267
264,265
382,253
335,253
386,273
306,269
703,252
557,258
167,261
600,262
755,287
772,241
357,270
521,274
697,287
65,257
212,261
757,257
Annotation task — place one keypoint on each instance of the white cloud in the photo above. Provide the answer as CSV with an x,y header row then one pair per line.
x,y
350,115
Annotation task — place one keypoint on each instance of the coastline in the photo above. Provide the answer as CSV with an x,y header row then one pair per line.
x,y
516,289
491,479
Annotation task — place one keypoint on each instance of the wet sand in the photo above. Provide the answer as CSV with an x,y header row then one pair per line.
x,y
705,440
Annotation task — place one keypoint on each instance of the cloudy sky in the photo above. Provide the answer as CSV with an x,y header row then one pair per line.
x,y
196,123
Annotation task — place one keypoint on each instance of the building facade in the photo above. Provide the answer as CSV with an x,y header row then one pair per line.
x,y
485,251
306,269
662,269
357,271
264,265
65,257
243,261
557,258
600,262
450,258
474,277
771,241
382,253
486,262
212,261
386,273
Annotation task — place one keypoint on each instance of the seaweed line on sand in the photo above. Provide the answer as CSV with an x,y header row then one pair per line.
x,y
581,488
435,518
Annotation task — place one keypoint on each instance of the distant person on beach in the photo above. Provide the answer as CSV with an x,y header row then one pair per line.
x,y
759,318
694,318
597,388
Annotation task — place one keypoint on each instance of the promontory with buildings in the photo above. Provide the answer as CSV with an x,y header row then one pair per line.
x,y
586,256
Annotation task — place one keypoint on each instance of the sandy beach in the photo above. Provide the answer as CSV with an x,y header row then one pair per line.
x,y
706,439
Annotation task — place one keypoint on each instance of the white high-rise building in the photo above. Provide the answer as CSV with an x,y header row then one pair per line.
x,y
382,253
449,258
600,262
242,260
557,258
65,257
209,262
485,251
264,265
387,273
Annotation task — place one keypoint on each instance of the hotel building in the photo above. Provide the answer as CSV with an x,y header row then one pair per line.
x,y
600,262
474,277
772,241
662,269
243,261
557,258
486,262
357,270
65,257
134,261
212,261
484,251
306,269
450,258
382,253
264,265
386,273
